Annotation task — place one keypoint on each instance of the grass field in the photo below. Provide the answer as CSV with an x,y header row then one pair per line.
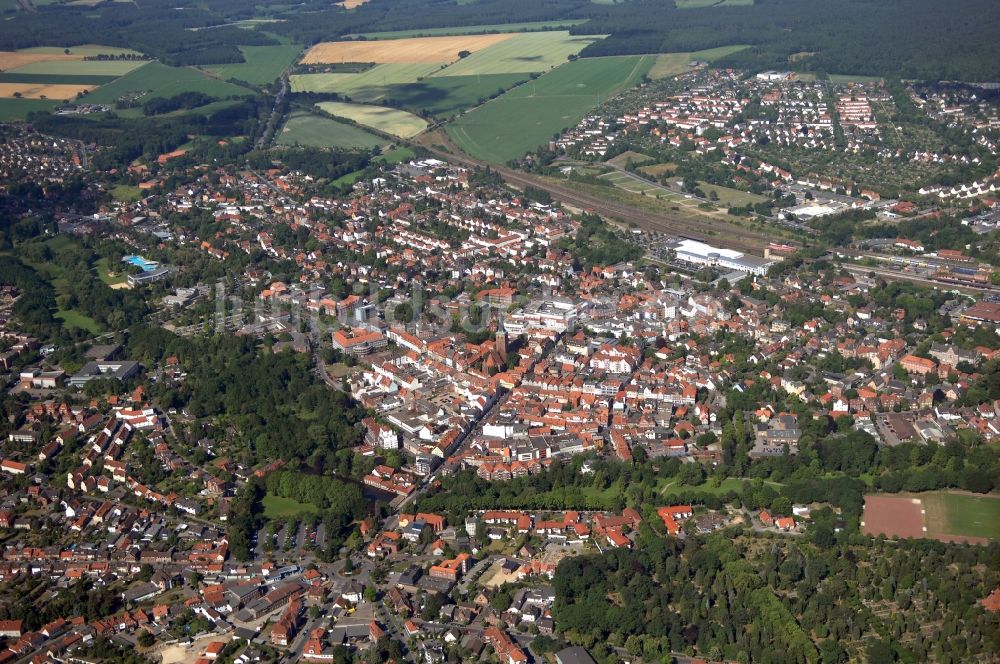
x,y
113,68
103,266
524,53
471,29
656,170
639,186
315,131
672,64
276,507
370,85
163,81
962,514
18,109
433,50
387,120
72,318
263,65
729,196
444,96
624,158
529,115
673,487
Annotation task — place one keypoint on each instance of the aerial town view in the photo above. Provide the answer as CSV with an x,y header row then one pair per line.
x,y
558,332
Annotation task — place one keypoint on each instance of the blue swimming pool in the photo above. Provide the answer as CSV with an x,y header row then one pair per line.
x,y
143,264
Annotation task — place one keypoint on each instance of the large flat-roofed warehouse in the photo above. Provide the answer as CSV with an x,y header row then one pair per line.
x,y
699,253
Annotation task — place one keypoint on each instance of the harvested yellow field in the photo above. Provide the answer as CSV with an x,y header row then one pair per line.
x,y
58,91
432,50
351,4
14,59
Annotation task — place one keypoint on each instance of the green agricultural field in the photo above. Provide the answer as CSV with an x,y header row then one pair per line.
x,y
536,26
387,120
276,507
672,64
55,79
163,81
370,85
113,68
12,110
529,115
527,53
264,64
444,96
315,131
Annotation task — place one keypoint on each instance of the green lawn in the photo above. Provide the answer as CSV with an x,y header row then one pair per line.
x,y
387,120
471,29
530,52
72,318
529,115
104,267
315,131
163,81
263,64
276,507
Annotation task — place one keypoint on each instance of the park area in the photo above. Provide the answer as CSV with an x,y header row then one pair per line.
x,y
529,115
948,516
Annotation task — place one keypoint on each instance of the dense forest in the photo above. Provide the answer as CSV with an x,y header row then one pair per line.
x,y
777,599
274,402
924,39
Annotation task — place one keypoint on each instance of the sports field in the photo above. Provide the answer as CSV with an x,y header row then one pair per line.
x,y
263,65
432,50
534,26
529,115
314,131
163,81
948,516
523,53
388,120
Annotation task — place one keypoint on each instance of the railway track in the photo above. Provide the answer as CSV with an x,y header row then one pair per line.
x,y
724,235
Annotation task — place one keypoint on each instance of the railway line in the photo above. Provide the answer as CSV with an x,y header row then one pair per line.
x,y
724,235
